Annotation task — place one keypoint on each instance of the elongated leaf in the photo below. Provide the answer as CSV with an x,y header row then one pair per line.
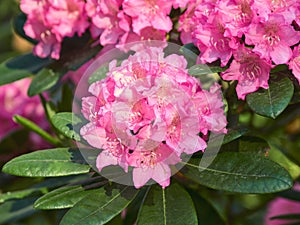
x,y
234,134
43,81
47,163
170,206
272,101
62,198
65,122
16,194
20,67
99,208
14,210
240,172
198,70
41,187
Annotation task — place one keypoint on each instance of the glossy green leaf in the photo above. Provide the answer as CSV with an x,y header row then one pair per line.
x,y
13,210
43,81
100,207
65,197
272,101
200,69
20,67
172,206
239,172
65,122
47,163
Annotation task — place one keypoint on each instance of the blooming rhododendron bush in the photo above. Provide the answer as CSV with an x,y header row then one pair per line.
x,y
152,112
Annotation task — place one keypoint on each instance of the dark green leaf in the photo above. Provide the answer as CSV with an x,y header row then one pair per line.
x,y
20,67
65,122
100,207
17,209
272,101
65,197
172,205
19,23
43,81
207,214
239,172
253,144
47,163
286,217
234,134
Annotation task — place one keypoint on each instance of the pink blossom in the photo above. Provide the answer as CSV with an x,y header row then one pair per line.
x,y
273,38
147,13
105,20
49,22
236,15
14,101
212,42
144,115
282,206
67,17
294,64
249,70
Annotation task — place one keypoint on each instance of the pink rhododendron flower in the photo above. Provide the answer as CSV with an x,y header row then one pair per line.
x,y
147,13
250,70
213,44
282,206
146,113
49,22
273,38
294,64
14,101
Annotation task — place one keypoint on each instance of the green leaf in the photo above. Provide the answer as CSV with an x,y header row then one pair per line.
x,y
234,134
20,67
43,81
272,101
207,214
62,198
286,217
13,210
172,205
253,144
100,207
64,122
99,74
40,187
47,163
18,24
16,194
240,173
35,128
200,69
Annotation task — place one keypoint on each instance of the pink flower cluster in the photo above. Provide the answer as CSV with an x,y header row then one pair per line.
x,y
49,21
223,28
115,22
147,112
14,101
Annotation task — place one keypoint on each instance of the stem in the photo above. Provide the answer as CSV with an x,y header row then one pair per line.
x,y
36,129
